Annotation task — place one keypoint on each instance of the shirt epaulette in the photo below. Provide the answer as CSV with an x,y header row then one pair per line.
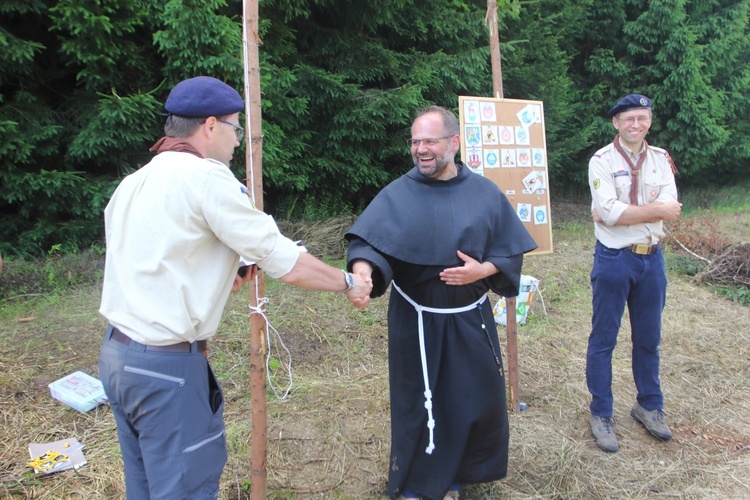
x,y
603,150
665,153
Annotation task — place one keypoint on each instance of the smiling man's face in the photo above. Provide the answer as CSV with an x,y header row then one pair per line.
x,y
434,160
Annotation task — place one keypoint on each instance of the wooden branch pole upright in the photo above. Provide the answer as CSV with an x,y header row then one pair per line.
x,y
254,180
497,72
510,302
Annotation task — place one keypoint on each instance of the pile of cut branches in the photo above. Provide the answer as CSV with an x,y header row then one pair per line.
x,y
701,237
731,268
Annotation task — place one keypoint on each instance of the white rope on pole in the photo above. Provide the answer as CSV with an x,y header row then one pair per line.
x,y
262,311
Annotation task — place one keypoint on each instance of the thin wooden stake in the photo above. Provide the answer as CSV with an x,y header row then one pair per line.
x,y
510,302
254,180
495,59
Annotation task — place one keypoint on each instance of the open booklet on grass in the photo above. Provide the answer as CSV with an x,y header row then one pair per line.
x,y
57,456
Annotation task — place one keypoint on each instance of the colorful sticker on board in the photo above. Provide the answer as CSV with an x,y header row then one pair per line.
x,y
534,181
524,212
529,115
473,136
474,158
522,136
523,157
490,158
540,214
479,171
489,135
471,111
537,157
506,135
488,111
508,158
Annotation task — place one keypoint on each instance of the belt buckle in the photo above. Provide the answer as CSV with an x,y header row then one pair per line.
x,y
642,249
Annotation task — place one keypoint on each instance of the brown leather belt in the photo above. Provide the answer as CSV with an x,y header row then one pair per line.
x,y
120,337
643,249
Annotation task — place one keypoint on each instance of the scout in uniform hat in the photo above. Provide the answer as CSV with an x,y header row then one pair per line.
x,y
175,229
632,101
633,192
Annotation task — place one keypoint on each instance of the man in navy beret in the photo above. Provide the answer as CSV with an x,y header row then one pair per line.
x,y
633,191
203,96
175,230
632,101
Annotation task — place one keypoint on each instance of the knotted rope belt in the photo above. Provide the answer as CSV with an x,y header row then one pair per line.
x,y
427,393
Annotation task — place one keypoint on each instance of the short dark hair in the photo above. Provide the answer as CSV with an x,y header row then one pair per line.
x,y
449,119
182,126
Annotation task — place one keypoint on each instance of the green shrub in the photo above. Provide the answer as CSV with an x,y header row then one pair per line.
x,y
56,273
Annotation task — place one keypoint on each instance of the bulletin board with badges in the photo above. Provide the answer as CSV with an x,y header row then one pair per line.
x,y
503,140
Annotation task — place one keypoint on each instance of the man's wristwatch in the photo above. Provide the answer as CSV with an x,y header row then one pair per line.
x,y
349,281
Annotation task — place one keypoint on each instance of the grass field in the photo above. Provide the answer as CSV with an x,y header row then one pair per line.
x,y
330,437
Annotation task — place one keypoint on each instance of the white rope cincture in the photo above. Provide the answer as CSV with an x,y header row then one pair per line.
x,y
259,309
420,321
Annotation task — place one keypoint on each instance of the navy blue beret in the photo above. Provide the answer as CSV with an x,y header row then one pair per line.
x,y
203,96
632,101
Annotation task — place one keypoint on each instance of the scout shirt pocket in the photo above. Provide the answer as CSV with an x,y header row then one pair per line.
x,y
622,185
651,192
651,186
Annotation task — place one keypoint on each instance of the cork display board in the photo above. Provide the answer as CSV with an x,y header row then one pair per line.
x,y
504,140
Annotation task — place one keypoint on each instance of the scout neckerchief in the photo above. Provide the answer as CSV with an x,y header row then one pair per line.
x,y
174,144
635,169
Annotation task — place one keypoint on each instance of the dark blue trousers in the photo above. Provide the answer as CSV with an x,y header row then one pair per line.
x,y
169,412
621,277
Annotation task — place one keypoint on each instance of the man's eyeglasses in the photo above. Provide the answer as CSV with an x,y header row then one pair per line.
x,y
645,119
238,130
430,141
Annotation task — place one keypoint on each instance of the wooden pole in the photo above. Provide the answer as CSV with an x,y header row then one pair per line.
x,y
510,302
513,400
497,72
254,180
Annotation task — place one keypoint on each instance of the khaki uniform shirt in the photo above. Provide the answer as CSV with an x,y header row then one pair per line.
x,y
174,231
610,180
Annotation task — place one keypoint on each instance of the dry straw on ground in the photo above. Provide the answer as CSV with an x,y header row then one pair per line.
x,y
330,438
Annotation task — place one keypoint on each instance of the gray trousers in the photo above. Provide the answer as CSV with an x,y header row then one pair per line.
x,y
169,411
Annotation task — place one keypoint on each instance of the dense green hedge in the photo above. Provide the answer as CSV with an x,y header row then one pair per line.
x,y
82,86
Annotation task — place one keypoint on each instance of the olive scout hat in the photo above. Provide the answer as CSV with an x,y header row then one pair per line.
x,y
632,101
203,96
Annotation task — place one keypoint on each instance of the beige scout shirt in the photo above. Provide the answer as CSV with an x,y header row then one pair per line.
x,y
174,231
610,180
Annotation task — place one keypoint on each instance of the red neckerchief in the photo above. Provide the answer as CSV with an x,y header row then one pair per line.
x,y
174,144
634,169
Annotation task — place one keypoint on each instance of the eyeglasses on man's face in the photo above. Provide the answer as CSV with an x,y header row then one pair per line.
x,y
430,141
630,120
238,130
